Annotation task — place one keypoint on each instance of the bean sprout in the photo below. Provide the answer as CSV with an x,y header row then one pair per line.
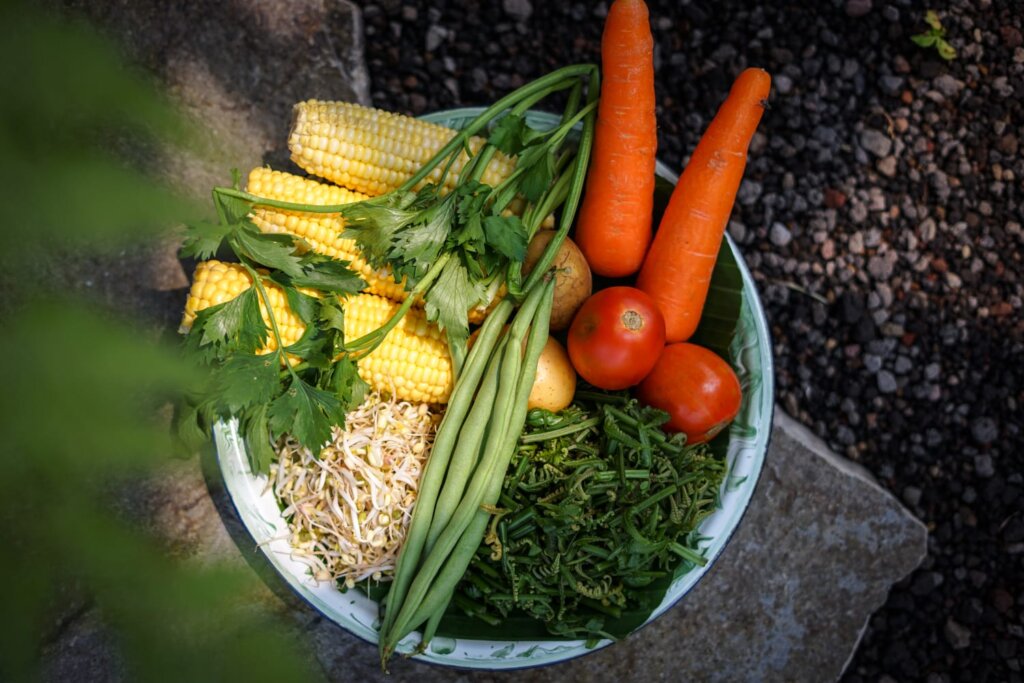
x,y
348,509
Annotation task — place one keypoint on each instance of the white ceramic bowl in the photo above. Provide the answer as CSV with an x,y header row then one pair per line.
x,y
733,324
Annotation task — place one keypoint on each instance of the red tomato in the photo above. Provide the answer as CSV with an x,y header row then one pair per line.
x,y
616,337
698,390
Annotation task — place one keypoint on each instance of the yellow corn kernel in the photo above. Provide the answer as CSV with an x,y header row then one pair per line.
x,y
215,283
374,151
321,230
387,369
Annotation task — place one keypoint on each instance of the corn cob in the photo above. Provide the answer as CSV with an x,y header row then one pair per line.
x,y
412,362
413,359
321,230
374,151
215,283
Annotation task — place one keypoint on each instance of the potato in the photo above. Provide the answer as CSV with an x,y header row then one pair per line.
x,y
555,384
573,283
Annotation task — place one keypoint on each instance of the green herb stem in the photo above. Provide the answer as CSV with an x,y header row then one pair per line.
x,y
579,176
533,218
654,434
599,606
483,157
279,204
370,341
687,554
626,474
257,280
572,103
557,137
547,84
535,437
563,130
654,499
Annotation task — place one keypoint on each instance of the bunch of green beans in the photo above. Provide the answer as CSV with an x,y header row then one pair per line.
x,y
487,440
487,409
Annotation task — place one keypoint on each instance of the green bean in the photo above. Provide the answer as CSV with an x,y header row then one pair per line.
x,y
462,462
433,622
436,599
464,458
493,462
437,464
467,507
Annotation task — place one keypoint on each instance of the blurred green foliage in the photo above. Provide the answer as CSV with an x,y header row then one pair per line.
x,y
80,391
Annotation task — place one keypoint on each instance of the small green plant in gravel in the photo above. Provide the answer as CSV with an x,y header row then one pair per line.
x,y
935,37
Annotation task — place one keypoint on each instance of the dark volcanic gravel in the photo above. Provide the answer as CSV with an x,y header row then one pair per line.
x,y
881,217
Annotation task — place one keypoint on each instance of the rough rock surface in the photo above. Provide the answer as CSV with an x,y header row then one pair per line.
x,y
238,68
788,599
235,69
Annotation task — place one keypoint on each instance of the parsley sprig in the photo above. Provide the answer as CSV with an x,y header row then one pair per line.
x,y
304,396
453,251
456,249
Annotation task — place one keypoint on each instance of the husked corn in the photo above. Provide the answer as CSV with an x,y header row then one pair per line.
x,y
216,283
374,151
412,361
321,230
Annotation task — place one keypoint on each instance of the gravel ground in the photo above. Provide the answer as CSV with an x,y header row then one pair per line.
x,y
881,217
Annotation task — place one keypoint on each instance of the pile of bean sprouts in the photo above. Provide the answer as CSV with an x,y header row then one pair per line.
x,y
348,509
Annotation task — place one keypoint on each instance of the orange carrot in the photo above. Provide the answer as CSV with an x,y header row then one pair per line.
x,y
614,226
677,270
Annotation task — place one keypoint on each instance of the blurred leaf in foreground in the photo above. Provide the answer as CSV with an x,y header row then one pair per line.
x,y
81,389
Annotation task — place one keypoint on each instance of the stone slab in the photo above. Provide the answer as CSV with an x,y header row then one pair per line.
x,y
237,68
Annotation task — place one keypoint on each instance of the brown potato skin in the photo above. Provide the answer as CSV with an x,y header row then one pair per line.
x,y
573,282
555,383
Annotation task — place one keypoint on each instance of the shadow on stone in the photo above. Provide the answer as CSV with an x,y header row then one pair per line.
x,y
241,538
